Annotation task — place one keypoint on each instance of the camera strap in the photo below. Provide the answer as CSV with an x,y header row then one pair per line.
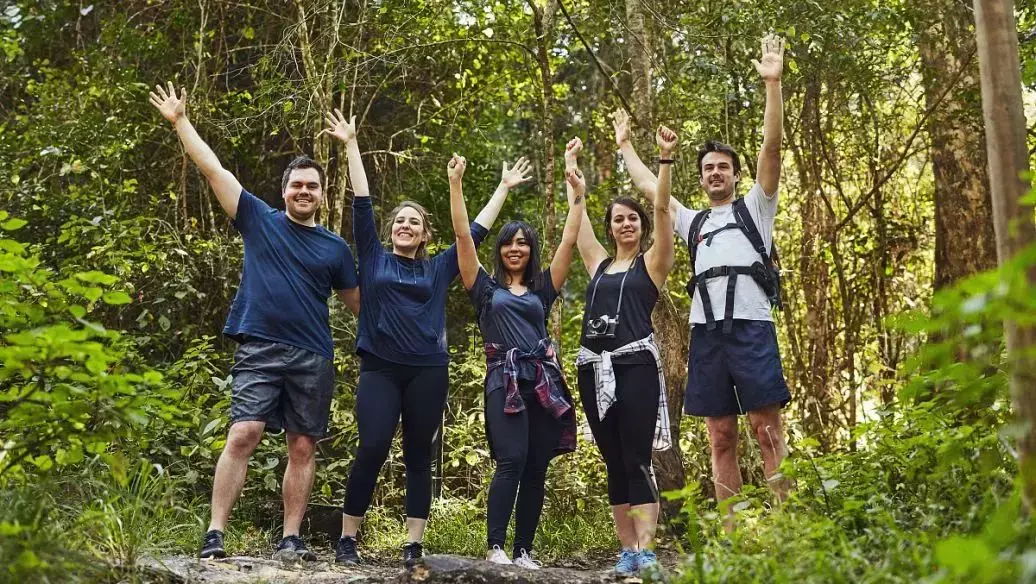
x,y
622,286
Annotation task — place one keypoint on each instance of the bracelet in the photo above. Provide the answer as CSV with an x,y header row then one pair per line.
x,y
666,160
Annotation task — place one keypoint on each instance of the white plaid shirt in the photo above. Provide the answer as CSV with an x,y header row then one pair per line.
x,y
605,378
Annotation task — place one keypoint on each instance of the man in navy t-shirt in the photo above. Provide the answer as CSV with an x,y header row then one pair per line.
x,y
283,371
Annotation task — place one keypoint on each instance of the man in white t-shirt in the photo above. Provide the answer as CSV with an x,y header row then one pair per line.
x,y
734,367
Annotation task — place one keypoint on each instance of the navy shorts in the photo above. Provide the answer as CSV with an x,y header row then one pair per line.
x,y
734,373
284,386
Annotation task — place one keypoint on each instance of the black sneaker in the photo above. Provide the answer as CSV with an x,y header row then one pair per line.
x,y
412,553
292,549
345,552
212,545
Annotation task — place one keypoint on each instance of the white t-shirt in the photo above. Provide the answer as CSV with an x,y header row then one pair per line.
x,y
731,248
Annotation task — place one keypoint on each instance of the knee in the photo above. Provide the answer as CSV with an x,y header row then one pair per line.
x,y
244,437
301,449
723,437
767,431
373,451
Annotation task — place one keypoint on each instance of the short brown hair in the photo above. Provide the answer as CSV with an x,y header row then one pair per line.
x,y
302,161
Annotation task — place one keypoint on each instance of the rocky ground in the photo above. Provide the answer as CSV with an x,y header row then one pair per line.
x,y
435,569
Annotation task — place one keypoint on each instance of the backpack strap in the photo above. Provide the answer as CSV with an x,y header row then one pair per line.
x,y
770,259
694,234
747,225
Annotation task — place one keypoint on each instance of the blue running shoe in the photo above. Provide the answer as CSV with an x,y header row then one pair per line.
x,y
647,563
627,563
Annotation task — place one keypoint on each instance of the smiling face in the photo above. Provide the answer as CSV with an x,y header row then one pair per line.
x,y
625,226
302,194
514,255
718,177
409,231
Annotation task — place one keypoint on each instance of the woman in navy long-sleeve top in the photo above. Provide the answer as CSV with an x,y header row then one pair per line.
x,y
402,347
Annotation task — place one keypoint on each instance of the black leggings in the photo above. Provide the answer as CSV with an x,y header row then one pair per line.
x,y
385,391
626,434
524,444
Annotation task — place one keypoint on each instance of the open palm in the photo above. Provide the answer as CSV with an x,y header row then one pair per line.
x,y
621,123
171,107
517,174
339,127
771,64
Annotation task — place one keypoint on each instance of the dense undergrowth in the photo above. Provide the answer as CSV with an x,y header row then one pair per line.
x,y
106,460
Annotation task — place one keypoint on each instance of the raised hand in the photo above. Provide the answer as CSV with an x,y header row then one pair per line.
x,y
339,127
517,174
575,179
171,107
771,64
621,122
455,168
667,140
572,151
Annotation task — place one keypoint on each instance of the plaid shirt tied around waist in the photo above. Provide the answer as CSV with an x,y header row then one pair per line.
x,y
551,391
604,375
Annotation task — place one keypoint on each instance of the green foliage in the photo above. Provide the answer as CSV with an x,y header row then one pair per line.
x,y
69,388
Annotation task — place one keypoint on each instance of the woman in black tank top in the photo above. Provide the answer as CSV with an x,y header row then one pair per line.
x,y
620,380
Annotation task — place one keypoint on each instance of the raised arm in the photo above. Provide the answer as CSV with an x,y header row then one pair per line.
x,y
590,250
660,257
575,188
467,257
645,180
770,67
346,132
509,178
222,181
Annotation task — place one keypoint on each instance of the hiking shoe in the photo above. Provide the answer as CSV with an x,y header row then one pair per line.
x,y
412,553
524,560
345,552
212,545
497,556
647,561
627,563
293,549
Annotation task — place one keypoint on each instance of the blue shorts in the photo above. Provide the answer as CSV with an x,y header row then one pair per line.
x,y
734,373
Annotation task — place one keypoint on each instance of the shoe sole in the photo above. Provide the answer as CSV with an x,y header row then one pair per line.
x,y
212,554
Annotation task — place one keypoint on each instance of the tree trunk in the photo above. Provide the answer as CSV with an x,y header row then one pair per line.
x,y
670,329
964,239
1013,220
543,25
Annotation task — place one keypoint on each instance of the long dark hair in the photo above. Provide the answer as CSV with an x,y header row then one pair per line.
x,y
645,221
532,273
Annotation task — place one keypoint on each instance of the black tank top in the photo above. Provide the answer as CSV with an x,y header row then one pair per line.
x,y
639,296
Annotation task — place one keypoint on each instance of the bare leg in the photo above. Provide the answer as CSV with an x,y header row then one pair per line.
x,y
624,526
415,529
766,425
645,519
232,468
298,480
726,475
350,525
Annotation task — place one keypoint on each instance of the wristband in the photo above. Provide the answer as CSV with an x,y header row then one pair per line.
x,y
666,160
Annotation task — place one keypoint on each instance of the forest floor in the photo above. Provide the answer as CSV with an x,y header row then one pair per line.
x,y
436,569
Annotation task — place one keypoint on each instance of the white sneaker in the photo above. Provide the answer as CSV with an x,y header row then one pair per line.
x,y
497,556
526,561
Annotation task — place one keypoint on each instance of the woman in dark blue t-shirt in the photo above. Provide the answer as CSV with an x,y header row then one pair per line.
x,y
401,342
529,413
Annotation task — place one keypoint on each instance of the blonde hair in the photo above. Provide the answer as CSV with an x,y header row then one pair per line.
x,y
422,252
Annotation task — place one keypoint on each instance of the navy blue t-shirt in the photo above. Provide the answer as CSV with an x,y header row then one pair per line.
x,y
403,308
288,273
510,320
